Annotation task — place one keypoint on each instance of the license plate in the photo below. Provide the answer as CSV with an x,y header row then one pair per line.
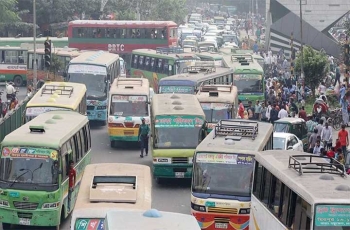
x,y
179,174
24,221
221,225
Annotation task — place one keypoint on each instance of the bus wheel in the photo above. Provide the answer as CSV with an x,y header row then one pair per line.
x,y
6,226
159,180
18,80
113,144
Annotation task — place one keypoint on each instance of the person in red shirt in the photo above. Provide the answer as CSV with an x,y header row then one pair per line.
x,y
302,113
72,175
241,109
337,144
343,137
331,153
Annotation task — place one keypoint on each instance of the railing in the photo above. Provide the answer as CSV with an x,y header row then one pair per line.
x,y
13,119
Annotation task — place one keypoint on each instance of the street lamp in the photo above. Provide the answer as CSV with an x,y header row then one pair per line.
x,y
302,2
35,76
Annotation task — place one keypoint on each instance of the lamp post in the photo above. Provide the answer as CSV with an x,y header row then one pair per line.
x,y
35,76
302,2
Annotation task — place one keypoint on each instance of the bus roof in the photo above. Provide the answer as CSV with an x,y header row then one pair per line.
x,y
165,55
84,207
130,86
225,93
131,220
251,66
216,141
59,126
100,58
317,187
58,94
12,48
121,23
67,52
292,120
197,78
176,104
210,55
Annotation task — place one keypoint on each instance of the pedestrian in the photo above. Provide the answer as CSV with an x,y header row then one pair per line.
x,y
282,113
263,112
240,109
337,74
143,136
318,148
273,114
326,136
319,127
257,111
250,110
343,137
302,113
344,110
72,177
331,153
312,141
268,111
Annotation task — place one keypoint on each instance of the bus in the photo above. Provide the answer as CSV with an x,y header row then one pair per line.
x,y
294,190
222,173
57,96
259,59
63,55
34,168
211,56
13,65
97,70
149,220
17,42
108,187
159,63
129,102
218,20
218,102
121,37
178,126
193,77
248,77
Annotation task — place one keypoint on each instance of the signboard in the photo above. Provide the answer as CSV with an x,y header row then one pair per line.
x,y
89,224
116,47
222,158
247,77
35,111
215,106
9,67
126,98
37,153
176,89
332,215
87,69
178,121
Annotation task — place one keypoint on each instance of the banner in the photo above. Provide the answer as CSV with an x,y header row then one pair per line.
x,y
178,121
38,153
126,98
177,89
332,215
223,158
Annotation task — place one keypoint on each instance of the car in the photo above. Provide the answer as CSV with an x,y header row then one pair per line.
x,y
287,141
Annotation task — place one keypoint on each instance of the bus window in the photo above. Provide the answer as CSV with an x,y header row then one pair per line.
x,y
153,61
141,59
83,144
74,148
165,67
147,63
159,67
134,62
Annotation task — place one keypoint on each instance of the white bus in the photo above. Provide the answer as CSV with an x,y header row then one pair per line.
x,y
294,190
97,70
223,170
149,220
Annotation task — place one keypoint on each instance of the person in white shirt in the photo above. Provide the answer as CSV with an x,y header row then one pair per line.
x,y
322,89
10,90
326,136
282,113
268,111
318,148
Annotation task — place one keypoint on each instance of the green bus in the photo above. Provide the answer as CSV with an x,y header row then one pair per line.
x,y
178,125
247,77
17,42
159,63
34,168
211,56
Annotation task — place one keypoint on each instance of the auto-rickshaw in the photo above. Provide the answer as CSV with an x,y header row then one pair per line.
x,y
296,126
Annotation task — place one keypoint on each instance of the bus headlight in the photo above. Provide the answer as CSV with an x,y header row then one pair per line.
x,y
51,205
244,211
4,203
197,207
190,160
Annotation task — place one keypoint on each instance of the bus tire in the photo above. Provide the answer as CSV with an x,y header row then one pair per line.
x,y
103,123
18,80
159,180
6,226
113,144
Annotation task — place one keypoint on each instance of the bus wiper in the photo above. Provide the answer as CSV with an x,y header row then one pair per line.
x,y
15,181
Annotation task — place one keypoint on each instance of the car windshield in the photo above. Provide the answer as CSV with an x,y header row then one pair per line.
x,y
176,137
214,112
122,105
224,174
95,84
281,127
279,143
332,217
248,83
28,165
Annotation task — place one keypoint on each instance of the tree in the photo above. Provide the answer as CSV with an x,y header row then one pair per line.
x,y
315,65
169,10
8,12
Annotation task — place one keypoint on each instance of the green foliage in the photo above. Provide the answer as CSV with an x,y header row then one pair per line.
x,y
168,10
56,64
315,66
8,13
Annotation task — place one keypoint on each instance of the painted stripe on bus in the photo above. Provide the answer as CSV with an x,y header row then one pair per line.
x,y
13,71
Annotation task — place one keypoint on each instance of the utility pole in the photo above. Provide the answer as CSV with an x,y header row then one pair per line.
x,y
301,46
35,73
138,11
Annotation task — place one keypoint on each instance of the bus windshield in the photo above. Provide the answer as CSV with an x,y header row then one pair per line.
x,y
248,83
176,137
124,105
95,83
332,217
223,174
214,112
29,166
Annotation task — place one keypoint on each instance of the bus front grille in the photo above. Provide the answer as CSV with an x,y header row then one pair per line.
x,y
25,215
90,107
223,210
179,160
25,205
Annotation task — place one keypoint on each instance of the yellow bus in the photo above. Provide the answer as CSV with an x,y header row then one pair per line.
x,y
111,186
57,96
218,102
128,103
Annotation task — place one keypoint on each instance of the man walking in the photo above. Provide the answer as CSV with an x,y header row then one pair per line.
x,y
337,74
143,137
343,137
326,136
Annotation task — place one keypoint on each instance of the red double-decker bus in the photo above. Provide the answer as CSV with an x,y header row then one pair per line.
x,y
121,36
